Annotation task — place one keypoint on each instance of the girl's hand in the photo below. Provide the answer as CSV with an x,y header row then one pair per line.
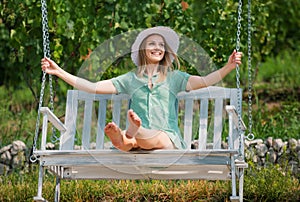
x,y
49,66
235,59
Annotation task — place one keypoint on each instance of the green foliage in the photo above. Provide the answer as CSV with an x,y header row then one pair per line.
x,y
280,120
274,27
279,72
77,26
16,116
270,184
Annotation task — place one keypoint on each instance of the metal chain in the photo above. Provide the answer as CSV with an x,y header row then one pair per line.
x,y
250,135
46,45
239,104
46,50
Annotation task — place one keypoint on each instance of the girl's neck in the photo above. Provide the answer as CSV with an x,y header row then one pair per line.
x,y
152,69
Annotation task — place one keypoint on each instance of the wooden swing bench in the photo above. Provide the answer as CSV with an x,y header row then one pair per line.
x,y
201,114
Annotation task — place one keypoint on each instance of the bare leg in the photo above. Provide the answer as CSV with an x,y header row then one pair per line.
x,y
153,139
137,136
146,138
118,139
134,124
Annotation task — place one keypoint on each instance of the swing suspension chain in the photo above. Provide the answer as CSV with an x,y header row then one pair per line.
x,y
238,79
46,50
46,46
250,135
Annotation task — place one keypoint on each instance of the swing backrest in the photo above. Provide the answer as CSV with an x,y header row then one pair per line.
x,y
201,115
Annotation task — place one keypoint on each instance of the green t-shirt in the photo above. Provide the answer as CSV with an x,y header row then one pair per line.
x,y
157,107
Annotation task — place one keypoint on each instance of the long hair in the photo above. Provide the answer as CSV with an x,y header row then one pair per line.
x,y
165,64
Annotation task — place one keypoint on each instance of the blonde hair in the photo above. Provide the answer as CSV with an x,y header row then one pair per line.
x,y
165,64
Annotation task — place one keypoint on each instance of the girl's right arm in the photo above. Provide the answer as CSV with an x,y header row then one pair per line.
x,y
100,87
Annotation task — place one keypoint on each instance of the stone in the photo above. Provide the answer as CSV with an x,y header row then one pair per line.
x,y
292,144
277,144
76,147
298,148
6,157
50,146
93,145
224,145
108,145
271,155
256,142
269,142
6,148
261,150
247,144
19,160
293,166
17,146
255,159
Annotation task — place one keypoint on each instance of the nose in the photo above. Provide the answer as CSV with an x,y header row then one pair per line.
x,y
158,47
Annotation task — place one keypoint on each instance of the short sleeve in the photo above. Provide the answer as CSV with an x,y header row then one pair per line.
x,y
122,82
179,80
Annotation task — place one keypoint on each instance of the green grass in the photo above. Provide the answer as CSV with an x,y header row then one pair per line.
x,y
280,72
261,184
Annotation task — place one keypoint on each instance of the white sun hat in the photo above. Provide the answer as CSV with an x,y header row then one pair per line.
x,y
170,36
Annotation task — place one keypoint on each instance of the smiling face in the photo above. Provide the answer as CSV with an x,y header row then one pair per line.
x,y
154,49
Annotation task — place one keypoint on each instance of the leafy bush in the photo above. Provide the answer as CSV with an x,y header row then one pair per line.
x,y
270,184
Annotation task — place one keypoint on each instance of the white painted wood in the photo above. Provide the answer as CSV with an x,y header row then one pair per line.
x,y
201,163
218,117
188,121
53,119
232,110
117,111
87,124
203,121
101,124
67,138
44,132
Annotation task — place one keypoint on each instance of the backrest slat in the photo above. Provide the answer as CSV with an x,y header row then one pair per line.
x,y
234,102
218,117
116,111
188,121
203,120
101,124
87,123
218,96
67,139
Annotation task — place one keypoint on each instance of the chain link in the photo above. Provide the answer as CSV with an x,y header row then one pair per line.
x,y
46,50
250,135
239,104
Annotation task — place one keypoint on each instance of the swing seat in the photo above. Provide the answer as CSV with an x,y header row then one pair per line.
x,y
202,118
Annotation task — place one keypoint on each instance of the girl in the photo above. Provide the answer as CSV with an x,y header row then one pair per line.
x,y
152,87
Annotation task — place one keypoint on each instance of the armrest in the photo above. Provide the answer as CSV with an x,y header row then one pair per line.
x,y
231,110
53,119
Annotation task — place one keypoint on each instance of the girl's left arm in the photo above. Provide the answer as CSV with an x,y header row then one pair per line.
x,y
196,82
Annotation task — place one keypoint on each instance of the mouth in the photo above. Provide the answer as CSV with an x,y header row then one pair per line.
x,y
156,53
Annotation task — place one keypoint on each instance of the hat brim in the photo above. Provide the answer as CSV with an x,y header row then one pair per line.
x,y
170,36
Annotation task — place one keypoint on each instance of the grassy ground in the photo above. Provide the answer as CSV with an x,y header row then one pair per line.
x,y
264,184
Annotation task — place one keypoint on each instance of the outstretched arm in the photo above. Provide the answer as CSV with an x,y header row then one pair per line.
x,y
196,82
100,87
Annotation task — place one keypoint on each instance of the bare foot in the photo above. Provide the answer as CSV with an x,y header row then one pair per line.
x,y
114,134
134,124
